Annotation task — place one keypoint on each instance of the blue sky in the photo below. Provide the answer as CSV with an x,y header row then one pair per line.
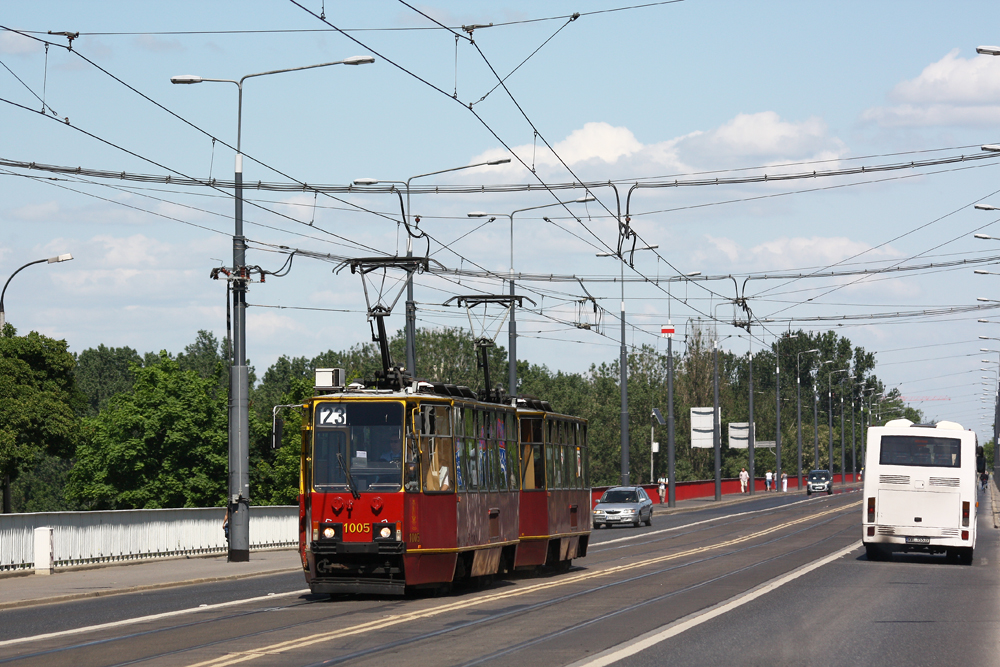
x,y
670,90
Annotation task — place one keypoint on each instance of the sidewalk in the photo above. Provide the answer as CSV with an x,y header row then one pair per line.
x,y
61,586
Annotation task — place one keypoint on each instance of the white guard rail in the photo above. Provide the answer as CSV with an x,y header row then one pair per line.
x,y
93,537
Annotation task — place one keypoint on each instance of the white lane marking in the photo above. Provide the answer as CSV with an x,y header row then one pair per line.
x,y
631,647
597,545
145,619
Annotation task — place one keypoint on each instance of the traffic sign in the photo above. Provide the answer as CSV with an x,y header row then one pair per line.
x,y
667,330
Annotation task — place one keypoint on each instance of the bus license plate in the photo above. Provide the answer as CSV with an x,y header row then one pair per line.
x,y
918,540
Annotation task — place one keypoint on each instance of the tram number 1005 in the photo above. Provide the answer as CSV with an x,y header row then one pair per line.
x,y
357,528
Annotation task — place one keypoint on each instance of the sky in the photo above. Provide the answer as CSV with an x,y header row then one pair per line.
x,y
684,91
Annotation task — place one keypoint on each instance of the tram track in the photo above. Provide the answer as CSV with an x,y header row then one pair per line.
x,y
393,620
598,547
590,591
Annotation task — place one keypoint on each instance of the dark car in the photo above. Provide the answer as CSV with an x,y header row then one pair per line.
x,y
623,504
820,481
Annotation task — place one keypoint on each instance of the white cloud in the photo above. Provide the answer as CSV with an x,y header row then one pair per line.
x,y
745,140
952,91
15,44
786,253
43,212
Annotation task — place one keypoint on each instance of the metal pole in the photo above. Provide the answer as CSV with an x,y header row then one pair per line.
x,y
716,428
671,495
829,396
777,407
854,442
623,362
751,431
843,472
239,415
512,326
815,429
798,422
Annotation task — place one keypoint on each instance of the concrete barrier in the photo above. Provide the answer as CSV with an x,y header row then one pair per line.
x,y
77,538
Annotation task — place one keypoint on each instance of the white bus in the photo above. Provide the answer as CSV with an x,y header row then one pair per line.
x,y
920,490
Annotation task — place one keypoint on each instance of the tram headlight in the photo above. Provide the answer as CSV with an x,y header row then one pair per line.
x,y
385,533
328,533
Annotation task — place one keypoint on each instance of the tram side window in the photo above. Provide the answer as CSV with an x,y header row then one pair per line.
x,y
513,460
586,456
461,474
438,449
532,460
482,428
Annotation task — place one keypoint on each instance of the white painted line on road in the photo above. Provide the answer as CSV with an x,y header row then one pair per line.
x,y
597,545
654,637
146,619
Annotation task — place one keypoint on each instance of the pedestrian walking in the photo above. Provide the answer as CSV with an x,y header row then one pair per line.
x,y
744,478
784,482
663,490
767,481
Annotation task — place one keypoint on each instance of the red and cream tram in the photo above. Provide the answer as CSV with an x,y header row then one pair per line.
x,y
422,485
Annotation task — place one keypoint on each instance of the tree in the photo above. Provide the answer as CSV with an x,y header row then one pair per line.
x,y
163,445
103,372
39,401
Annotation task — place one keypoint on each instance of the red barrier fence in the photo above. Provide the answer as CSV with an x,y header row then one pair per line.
x,y
705,488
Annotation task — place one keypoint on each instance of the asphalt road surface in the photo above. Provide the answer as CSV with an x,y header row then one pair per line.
x,y
777,580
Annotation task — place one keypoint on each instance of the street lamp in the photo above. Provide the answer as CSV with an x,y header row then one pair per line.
x,y
829,395
798,399
777,404
511,324
239,416
623,370
51,260
411,306
843,471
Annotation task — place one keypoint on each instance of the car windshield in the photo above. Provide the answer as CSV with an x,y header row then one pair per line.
x,y
619,496
817,476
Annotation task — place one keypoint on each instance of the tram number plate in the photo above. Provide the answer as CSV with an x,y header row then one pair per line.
x,y
918,540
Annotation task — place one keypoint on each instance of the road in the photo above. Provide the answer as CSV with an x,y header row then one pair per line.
x,y
776,580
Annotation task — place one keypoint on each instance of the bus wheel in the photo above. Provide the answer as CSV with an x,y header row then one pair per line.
x,y
874,552
965,555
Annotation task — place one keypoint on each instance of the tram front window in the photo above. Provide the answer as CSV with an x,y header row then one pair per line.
x,y
359,443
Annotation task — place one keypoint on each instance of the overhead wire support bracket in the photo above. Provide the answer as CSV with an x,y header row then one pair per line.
x,y
483,342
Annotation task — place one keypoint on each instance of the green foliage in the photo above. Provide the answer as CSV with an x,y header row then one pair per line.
x,y
103,372
163,445
39,402
40,485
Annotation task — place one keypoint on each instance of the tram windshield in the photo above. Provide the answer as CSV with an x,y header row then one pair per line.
x,y
359,443
908,450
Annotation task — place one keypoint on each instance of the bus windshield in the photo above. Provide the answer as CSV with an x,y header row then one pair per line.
x,y
363,438
909,450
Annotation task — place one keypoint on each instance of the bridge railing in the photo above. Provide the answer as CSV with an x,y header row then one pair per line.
x,y
91,537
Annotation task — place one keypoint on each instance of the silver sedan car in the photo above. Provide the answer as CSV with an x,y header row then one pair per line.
x,y
623,504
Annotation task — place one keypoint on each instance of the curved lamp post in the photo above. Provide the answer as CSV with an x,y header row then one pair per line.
x,y
239,414
51,260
